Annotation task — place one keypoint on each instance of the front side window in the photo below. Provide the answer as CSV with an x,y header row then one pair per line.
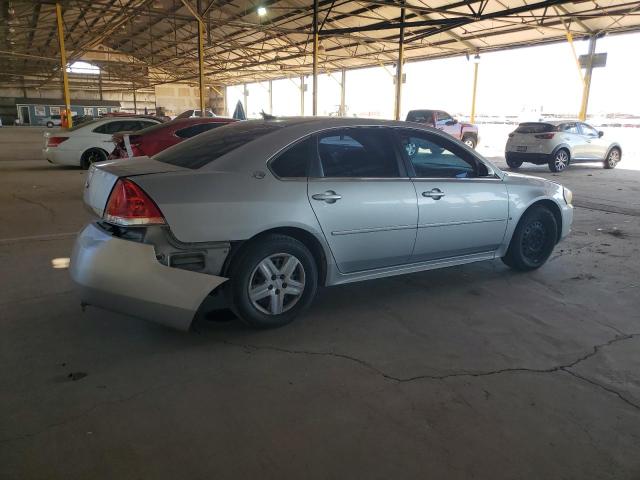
x,y
442,119
432,157
357,153
568,128
294,161
588,131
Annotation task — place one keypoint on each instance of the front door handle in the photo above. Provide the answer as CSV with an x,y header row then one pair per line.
x,y
434,193
329,196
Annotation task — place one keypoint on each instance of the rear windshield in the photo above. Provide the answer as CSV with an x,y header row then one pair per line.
x,y
208,146
420,116
535,127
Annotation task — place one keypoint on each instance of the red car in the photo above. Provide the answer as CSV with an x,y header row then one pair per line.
x,y
152,140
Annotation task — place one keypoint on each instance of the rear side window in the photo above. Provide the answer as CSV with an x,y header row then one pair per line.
x,y
293,162
535,127
358,153
207,147
194,130
420,116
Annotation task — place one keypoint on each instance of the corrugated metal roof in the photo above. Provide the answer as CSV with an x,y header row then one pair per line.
x,y
147,42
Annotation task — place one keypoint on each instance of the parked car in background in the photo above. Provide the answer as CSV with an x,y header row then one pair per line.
x,y
89,142
258,214
51,121
195,113
467,132
558,144
156,138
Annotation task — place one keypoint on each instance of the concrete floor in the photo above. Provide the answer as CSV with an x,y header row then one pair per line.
x,y
471,372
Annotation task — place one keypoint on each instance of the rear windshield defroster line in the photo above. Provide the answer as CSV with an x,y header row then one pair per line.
x,y
207,147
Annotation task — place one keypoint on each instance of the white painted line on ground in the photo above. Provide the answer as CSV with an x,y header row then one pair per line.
x,y
38,238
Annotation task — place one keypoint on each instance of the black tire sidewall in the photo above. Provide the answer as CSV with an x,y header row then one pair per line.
x,y
515,257
607,165
552,161
472,138
85,163
245,262
513,163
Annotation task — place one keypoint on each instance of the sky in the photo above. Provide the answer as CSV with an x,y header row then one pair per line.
x,y
542,78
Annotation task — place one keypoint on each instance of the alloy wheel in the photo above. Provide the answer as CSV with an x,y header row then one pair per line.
x,y
276,284
469,143
561,160
614,158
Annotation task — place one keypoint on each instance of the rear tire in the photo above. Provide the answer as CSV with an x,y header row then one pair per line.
x,y
271,281
470,141
612,158
533,240
514,164
49,124
92,155
560,160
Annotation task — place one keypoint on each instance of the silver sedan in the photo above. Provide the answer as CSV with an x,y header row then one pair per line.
x,y
257,215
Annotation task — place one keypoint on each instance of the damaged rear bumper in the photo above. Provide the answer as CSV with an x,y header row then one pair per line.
x,y
125,276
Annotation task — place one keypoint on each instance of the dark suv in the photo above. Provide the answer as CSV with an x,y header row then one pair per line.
x,y
467,132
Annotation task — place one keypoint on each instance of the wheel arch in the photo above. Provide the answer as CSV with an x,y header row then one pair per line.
x,y
552,207
611,147
307,238
561,146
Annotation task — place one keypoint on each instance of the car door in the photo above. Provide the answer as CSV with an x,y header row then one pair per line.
x,y
595,147
364,201
447,124
569,134
462,206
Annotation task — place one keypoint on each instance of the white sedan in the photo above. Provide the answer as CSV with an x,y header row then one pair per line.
x,y
89,142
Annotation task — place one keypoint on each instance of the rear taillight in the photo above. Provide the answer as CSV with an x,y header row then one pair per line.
x,y
129,205
55,141
545,136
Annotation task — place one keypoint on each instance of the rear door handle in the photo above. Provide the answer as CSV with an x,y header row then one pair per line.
x,y
434,193
329,196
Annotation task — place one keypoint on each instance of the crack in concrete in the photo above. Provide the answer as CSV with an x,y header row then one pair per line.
x,y
49,210
557,368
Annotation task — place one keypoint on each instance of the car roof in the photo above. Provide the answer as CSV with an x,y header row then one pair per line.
x,y
196,120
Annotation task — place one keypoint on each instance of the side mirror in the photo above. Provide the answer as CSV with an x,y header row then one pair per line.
x,y
484,170
600,133
451,122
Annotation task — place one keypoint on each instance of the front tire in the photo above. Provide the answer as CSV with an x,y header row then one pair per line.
x,y
92,155
560,160
612,159
271,281
49,124
533,240
470,141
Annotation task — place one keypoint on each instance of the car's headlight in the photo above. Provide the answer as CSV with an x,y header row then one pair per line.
x,y
568,195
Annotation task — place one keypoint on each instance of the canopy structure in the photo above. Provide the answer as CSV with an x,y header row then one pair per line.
x,y
148,42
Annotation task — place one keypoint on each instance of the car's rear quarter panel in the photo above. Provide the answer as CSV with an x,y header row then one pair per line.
x,y
206,206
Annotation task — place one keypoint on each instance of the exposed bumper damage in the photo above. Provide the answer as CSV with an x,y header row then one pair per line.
x,y
125,276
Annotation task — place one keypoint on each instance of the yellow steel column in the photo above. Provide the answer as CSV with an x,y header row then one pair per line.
x,y
201,65
586,88
398,105
63,65
473,96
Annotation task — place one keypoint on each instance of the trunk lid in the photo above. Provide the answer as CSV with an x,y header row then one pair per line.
x,y
102,177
